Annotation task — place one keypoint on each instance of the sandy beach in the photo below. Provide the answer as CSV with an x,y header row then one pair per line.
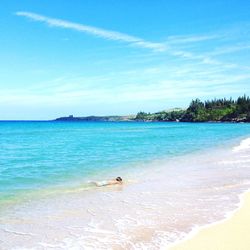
x,y
230,234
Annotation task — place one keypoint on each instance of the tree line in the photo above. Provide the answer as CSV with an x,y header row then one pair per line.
x,y
217,110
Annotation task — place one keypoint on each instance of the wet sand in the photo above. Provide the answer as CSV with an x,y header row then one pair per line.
x,y
230,234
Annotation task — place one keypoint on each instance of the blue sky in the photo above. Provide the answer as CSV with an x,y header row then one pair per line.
x,y
103,57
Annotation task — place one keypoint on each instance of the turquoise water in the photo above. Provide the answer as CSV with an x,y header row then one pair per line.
x,y
38,155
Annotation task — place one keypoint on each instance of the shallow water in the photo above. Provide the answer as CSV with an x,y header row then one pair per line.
x,y
178,176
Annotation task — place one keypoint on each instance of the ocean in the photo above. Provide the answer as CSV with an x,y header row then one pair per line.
x,y
177,178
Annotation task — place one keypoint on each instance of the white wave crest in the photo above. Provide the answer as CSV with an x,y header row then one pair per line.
x,y
244,145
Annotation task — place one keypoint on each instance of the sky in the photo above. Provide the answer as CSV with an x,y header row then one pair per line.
x,y
109,57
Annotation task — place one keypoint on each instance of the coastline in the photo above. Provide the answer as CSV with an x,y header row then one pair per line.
x,y
230,233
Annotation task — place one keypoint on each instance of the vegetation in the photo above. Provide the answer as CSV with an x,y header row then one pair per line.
x,y
215,110
161,116
115,118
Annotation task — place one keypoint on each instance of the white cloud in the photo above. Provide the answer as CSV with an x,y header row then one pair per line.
x,y
229,49
191,39
106,34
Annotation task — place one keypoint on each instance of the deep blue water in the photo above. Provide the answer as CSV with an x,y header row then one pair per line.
x,y
37,155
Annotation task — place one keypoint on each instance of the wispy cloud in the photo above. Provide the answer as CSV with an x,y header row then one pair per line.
x,y
143,85
106,34
191,39
229,49
171,46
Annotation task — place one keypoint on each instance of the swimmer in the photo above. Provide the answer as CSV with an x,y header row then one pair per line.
x,y
116,181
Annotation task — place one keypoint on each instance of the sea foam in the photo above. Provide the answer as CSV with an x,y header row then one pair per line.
x,y
244,145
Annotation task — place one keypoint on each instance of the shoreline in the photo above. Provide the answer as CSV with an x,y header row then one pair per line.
x,y
230,233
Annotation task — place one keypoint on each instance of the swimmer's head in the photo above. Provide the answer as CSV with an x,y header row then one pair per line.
x,y
118,179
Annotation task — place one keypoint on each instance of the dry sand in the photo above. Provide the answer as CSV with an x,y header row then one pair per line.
x,y
230,234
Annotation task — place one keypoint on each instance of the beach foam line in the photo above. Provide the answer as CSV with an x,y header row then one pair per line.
x,y
234,161
17,232
244,145
206,237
